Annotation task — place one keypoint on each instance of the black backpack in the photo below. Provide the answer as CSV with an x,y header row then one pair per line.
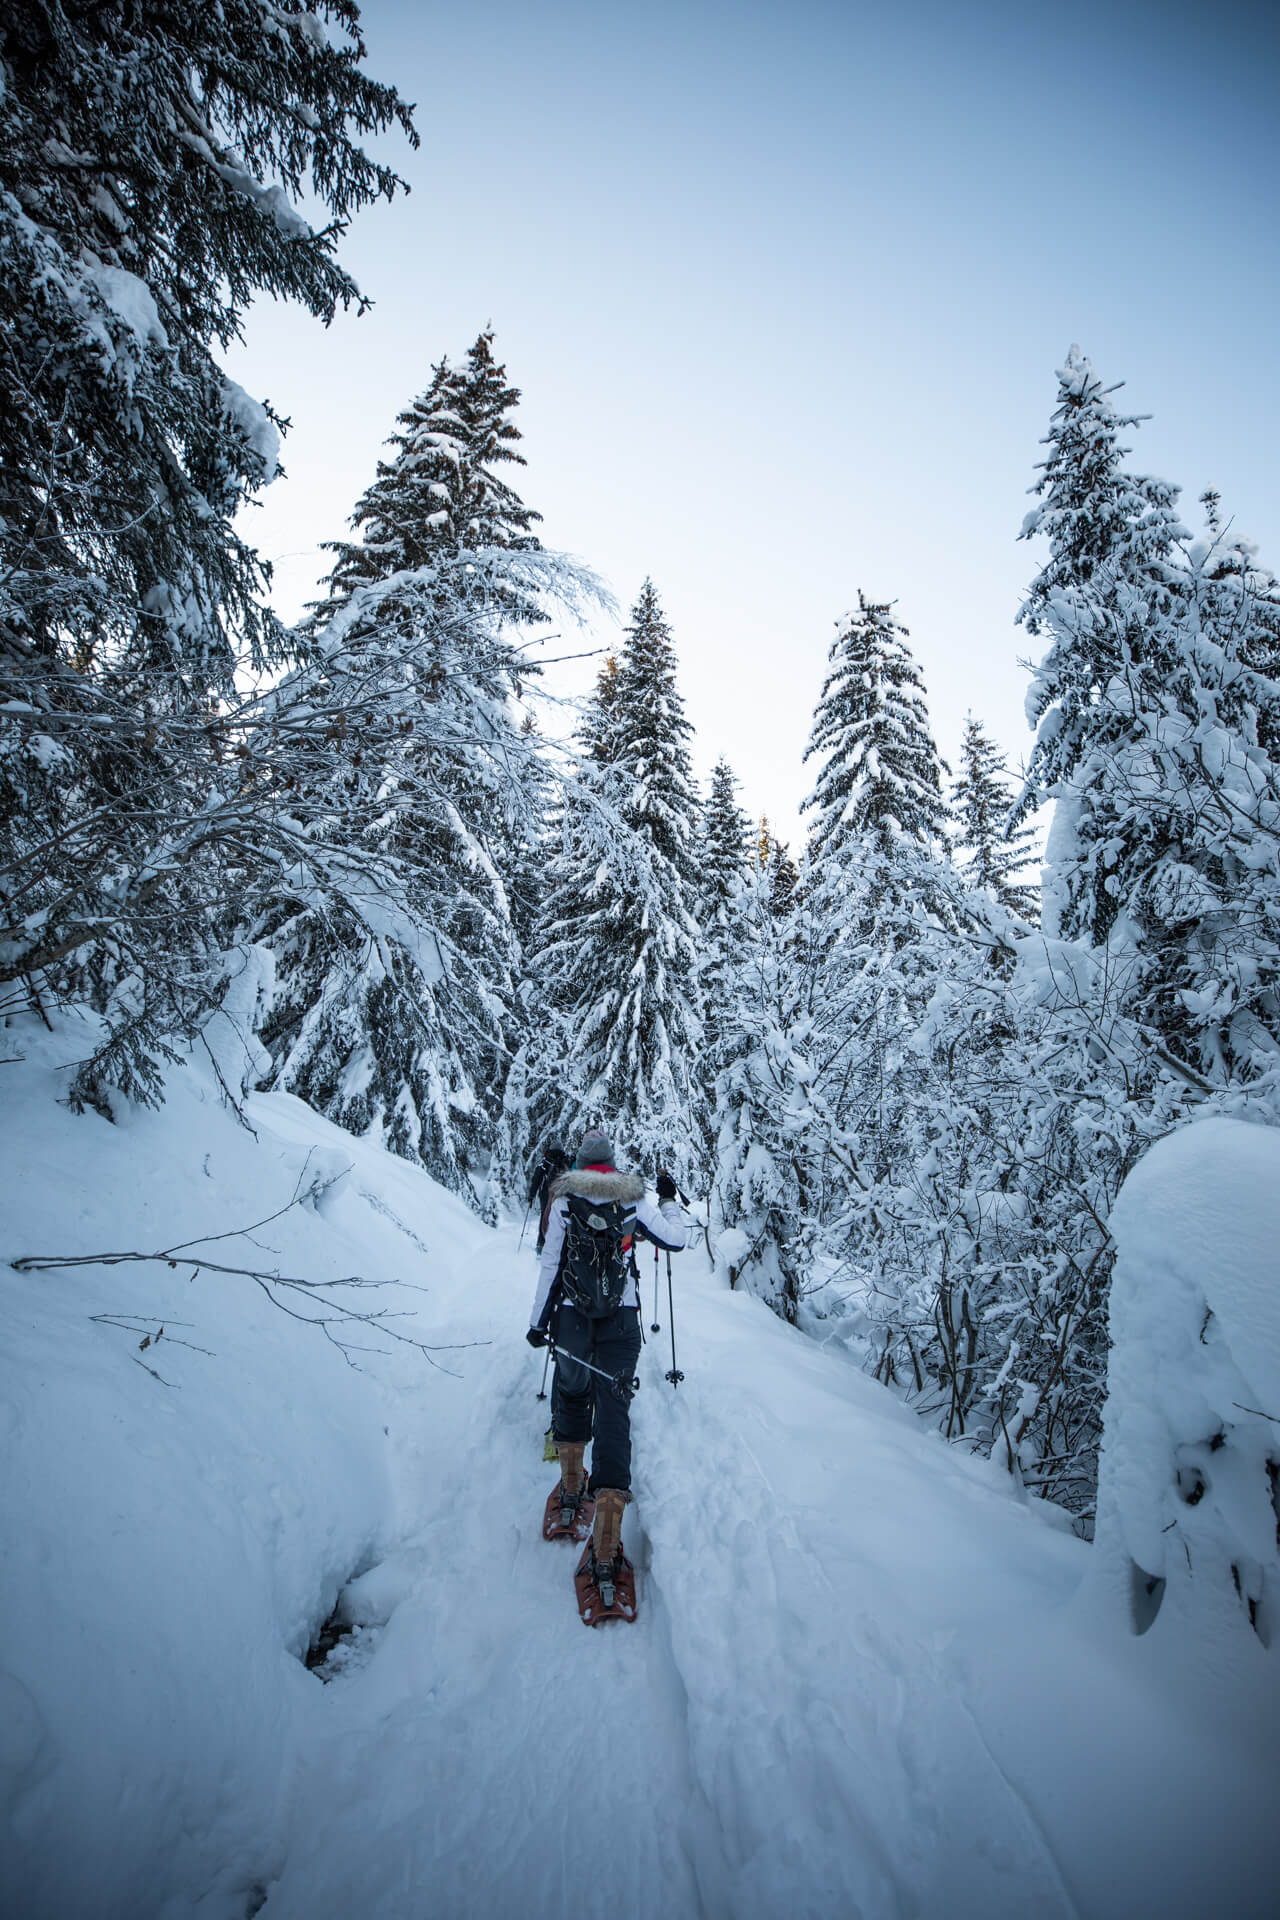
x,y
597,1255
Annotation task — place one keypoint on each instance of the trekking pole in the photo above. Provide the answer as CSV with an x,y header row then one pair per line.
x,y
654,1327
546,1362
528,1210
675,1376
621,1384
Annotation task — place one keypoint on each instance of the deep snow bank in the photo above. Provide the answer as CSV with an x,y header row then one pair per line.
x,y
865,1679
171,1542
1189,1482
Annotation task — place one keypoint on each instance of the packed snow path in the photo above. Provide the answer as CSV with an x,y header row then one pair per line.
x,y
779,1733
865,1680
841,1625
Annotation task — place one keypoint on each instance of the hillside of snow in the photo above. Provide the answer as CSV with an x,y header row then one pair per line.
x,y
865,1680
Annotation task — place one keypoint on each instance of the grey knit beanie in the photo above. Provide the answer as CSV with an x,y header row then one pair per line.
x,y
596,1149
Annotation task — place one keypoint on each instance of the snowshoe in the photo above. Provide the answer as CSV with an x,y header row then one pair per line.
x,y
568,1516
606,1590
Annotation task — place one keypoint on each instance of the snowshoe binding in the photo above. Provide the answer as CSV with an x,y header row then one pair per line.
x,y
568,1516
606,1589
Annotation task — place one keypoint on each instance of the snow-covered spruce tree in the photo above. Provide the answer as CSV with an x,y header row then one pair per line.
x,y
769,1127
522,843
1038,1091
1155,708
880,779
981,1255
876,866
774,859
361,1027
439,493
395,972
1029,1089
1103,597
1196,795
888,920
617,943
150,162
590,862
980,807
722,865
513,1146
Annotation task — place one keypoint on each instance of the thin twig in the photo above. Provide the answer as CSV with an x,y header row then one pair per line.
x,y
336,1313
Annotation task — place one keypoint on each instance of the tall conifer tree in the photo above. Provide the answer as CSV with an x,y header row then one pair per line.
x,y
440,494
722,871
1153,742
1104,597
880,779
408,1025
980,807
618,941
152,162
878,801
878,883
769,1123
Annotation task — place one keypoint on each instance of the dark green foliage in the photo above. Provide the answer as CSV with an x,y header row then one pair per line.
x,y
439,493
149,159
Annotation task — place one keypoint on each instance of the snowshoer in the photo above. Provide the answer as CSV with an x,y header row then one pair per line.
x,y
552,1161
588,1306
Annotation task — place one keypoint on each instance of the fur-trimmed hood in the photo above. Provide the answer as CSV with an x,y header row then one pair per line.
x,y
588,1184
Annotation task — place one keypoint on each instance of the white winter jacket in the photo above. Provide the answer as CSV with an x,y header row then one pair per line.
x,y
662,1221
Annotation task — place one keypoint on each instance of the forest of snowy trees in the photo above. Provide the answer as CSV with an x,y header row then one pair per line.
x,y
905,1071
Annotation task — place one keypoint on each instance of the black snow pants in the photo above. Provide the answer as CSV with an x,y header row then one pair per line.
x,y
582,1404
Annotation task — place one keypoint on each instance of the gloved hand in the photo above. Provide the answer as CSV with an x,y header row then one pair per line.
x,y
666,1186
537,1336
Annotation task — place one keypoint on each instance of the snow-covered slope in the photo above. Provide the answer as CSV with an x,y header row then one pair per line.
x,y
865,1679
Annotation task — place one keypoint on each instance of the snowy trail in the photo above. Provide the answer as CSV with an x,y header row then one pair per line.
x,y
865,1681
491,1736
778,1732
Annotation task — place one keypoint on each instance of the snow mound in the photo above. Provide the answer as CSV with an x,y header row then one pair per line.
x,y
191,1475
1189,1488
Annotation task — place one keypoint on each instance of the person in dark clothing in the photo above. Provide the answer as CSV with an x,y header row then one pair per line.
x,y
553,1160
585,1407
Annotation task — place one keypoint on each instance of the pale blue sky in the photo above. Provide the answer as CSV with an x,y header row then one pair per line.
x,y
785,288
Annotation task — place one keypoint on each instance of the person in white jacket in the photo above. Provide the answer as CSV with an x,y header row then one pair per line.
x,y
584,1405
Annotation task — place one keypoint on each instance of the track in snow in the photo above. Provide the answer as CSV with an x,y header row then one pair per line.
x,y
779,1732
